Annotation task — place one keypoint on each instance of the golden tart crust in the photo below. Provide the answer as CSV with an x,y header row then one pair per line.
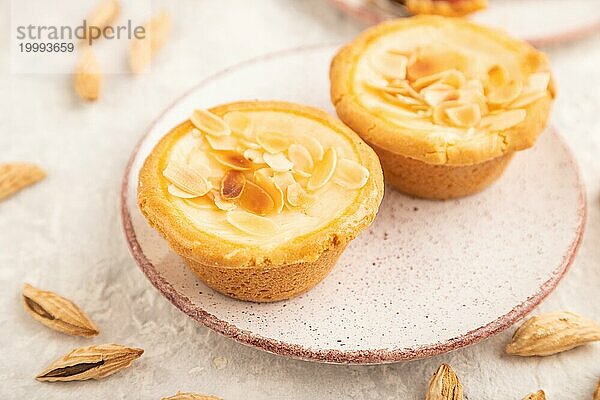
x,y
495,73
237,263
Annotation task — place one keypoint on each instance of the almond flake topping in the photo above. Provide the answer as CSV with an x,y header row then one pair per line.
x,y
254,155
232,184
300,157
323,170
350,174
251,223
273,142
210,123
278,162
267,184
233,159
296,196
175,191
464,116
187,179
240,124
256,200
391,65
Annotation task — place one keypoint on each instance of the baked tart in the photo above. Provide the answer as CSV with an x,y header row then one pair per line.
x,y
260,198
444,102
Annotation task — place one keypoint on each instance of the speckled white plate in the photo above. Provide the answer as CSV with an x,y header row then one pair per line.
x,y
537,21
426,278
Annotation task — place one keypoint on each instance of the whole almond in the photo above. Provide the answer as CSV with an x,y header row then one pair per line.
x,y
105,13
539,395
444,385
57,313
87,80
17,176
156,34
552,333
93,362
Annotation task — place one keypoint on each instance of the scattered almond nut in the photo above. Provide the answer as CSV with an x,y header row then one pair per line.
x,y
552,333
87,80
444,385
17,176
102,16
210,123
142,50
187,179
323,170
350,174
251,223
57,313
539,395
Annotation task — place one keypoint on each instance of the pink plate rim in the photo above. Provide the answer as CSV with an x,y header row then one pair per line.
x,y
381,356
364,14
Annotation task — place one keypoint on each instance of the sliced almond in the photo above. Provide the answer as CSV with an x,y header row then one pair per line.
x,y
539,395
438,93
221,203
254,155
403,101
222,142
232,184
233,159
256,200
251,223
390,65
142,50
273,142
210,123
323,170
451,77
249,144
269,186
497,75
464,116
504,94
240,124
283,179
300,157
87,80
201,203
187,179
350,174
278,162
175,191
503,120
314,147
527,98
439,112
538,82
296,196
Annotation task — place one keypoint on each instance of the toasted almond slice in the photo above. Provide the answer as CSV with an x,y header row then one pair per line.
x,y
273,142
256,200
439,112
300,157
232,184
301,173
269,186
350,174
438,93
434,61
504,94
464,116
390,65
474,85
451,77
222,142
210,123
278,162
314,147
404,100
283,179
323,170
296,196
187,179
249,144
527,98
474,96
233,159
240,124
220,203
503,120
201,203
175,191
254,155
497,75
251,223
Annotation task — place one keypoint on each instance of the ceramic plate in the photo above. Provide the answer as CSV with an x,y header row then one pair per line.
x,y
537,21
427,277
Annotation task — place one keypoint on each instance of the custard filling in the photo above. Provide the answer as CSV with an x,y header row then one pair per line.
x,y
261,177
